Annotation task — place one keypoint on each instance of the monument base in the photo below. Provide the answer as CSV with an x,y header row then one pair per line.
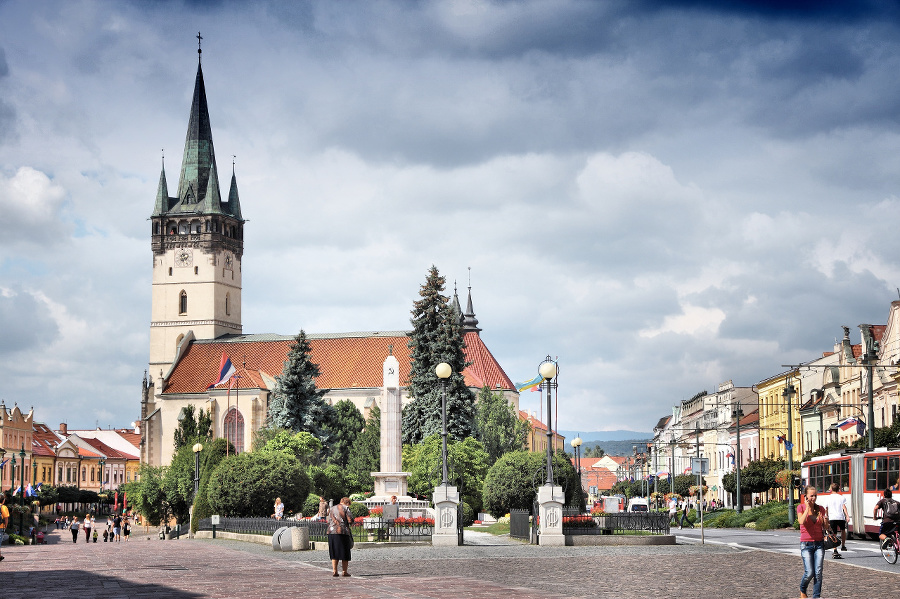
x,y
388,484
446,511
550,502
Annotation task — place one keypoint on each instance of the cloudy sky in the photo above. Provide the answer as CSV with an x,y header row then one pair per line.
x,y
663,195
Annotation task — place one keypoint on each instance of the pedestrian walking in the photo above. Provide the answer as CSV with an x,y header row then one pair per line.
x,y
117,527
673,510
126,529
838,516
323,509
339,536
684,515
813,524
88,523
74,528
4,519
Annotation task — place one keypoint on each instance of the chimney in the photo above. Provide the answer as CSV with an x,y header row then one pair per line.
x,y
63,429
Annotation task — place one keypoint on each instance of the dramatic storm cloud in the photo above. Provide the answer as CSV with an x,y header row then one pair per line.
x,y
663,195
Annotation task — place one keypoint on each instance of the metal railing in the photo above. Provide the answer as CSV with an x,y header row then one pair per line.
x,y
520,524
362,530
653,523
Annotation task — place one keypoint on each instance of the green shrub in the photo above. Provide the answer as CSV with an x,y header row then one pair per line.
x,y
19,540
357,497
311,505
468,514
359,510
510,482
213,453
247,484
329,482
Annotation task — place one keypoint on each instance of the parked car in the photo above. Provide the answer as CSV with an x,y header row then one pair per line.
x,y
638,504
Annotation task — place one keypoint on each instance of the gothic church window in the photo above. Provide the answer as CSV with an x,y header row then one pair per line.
x,y
234,429
182,303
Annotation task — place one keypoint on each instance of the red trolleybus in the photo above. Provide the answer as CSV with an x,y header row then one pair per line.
x,y
861,475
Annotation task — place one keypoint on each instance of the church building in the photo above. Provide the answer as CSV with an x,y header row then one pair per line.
x,y
197,239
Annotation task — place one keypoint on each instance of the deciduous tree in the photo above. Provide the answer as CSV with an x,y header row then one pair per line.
x,y
499,429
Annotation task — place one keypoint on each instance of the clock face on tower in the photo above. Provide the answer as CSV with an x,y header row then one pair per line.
x,y
183,258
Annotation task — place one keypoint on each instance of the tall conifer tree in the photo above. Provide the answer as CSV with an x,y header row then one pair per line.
x,y
297,405
437,336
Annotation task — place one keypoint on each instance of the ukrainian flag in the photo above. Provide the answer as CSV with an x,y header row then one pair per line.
x,y
536,381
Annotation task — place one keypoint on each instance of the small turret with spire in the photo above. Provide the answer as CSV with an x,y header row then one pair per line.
x,y
469,322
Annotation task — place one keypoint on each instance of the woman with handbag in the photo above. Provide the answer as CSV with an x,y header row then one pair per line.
x,y
339,539
813,524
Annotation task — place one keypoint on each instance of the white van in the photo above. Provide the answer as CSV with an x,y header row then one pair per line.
x,y
638,504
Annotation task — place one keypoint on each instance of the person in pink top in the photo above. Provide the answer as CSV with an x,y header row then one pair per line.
x,y
813,524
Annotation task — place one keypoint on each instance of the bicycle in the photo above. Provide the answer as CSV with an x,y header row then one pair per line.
x,y
890,547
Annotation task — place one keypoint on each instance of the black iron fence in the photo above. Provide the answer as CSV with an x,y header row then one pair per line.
x,y
362,530
651,523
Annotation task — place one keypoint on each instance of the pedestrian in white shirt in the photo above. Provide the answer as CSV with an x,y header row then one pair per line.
x,y
838,516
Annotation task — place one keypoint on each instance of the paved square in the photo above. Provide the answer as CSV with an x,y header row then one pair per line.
x,y
221,568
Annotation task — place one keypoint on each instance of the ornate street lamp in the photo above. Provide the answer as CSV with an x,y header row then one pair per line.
x,y
443,372
12,472
102,465
197,449
576,445
788,393
2,455
548,372
22,491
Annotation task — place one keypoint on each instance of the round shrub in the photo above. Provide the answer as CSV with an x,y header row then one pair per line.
x,y
359,510
512,481
468,514
358,497
311,505
329,482
247,484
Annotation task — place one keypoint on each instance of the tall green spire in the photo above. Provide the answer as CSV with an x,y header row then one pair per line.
x,y
162,194
234,204
199,180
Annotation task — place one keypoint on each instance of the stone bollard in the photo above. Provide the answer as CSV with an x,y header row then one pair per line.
x,y
291,538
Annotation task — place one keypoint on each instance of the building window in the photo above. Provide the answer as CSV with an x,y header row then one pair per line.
x,y
83,474
227,304
170,271
69,474
234,429
59,479
93,474
182,303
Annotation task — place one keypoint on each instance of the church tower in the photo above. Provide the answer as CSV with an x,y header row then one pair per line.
x,y
198,242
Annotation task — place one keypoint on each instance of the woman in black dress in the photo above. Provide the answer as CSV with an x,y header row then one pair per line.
x,y
339,521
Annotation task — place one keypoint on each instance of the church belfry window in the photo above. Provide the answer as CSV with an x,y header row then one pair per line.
x,y
227,304
182,303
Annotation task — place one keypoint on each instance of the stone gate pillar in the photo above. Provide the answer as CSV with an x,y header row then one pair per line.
x,y
446,505
550,502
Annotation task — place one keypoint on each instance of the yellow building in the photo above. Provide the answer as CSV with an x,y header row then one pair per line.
x,y
536,440
773,415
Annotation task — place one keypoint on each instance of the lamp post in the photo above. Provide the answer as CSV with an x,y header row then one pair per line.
x,y
2,455
443,372
737,468
870,358
547,371
102,474
651,459
197,449
22,491
576,445
12,472
788,393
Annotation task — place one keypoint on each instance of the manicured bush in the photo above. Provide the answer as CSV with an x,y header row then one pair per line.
x,y
247,484
359,510
468,514
512,482
311,505
329,482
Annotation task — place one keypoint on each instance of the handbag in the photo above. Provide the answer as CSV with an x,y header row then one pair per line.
x,y
352,542
830,541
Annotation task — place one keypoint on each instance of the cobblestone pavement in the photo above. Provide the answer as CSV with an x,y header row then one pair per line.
x,y
219,568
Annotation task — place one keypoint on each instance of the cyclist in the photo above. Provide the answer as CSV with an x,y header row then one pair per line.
x,y
890,510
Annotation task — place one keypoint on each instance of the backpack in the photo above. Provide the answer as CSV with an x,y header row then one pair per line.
x,y
891,510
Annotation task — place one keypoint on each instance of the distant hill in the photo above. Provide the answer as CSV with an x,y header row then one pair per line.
x,y
605,436
623,447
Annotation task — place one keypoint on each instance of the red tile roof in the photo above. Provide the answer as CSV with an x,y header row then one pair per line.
x,y
346,361
44,440
108,451
87,453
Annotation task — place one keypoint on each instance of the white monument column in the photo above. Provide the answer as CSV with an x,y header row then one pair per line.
x,y
390,480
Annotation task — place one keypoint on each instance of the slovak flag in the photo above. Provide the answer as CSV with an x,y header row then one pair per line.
x,y
28,490
730,456
226,371
847,424
662,473
16,492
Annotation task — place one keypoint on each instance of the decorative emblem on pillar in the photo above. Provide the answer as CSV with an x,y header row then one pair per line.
x,y
552,517
446,517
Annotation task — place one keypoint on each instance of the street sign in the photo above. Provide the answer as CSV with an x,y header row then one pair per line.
x,y
699,465
215,520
